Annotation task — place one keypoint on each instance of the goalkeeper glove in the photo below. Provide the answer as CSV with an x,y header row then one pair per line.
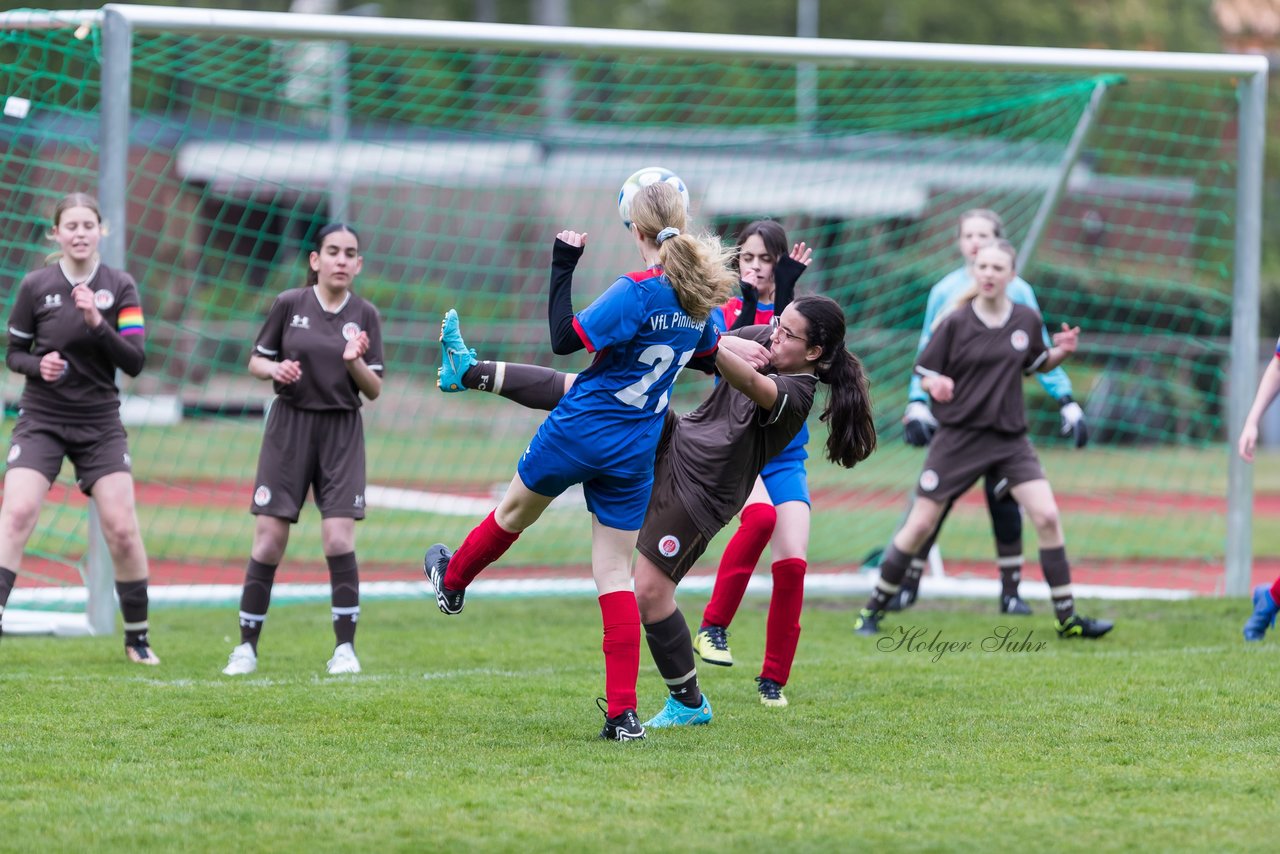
x,y
919,425
1073,421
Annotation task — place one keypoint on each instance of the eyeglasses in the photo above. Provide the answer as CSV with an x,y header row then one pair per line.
x,y
776,323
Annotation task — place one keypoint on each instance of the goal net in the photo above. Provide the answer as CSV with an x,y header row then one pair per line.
x,y
457,162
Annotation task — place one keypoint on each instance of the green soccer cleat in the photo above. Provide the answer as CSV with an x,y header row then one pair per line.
x,y
455,357
868,623
1077,626
711,643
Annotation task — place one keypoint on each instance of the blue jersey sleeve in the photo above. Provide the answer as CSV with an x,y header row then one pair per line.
x,y
615,316
709,341
717,319
1056,383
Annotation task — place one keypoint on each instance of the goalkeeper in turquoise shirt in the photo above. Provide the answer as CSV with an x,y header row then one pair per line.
x,y
977,228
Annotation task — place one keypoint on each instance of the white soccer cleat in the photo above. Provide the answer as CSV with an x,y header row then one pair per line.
x,y
344,660
243,660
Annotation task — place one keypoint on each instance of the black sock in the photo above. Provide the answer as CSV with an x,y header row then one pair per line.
x,y
532,386
255,599
133,607
344,577
1009,562
911,581
7,579
893,568
672,651
1057,574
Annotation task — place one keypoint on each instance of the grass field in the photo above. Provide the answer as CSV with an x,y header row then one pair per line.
x,y
478,732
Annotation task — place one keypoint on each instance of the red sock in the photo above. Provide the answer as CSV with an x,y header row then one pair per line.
x,y
486,543
739,561
782,632
621,647
1275,592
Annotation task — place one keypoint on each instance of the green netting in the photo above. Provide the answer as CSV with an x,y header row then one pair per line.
x,y
458,166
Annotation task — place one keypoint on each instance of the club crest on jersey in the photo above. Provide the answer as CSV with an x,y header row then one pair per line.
x,y
928,480
669,546
350,330
53,300
300,321
262,496
103,299
1019,340
15,451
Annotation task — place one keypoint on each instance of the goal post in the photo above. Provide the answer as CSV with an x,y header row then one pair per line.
x,y
1131,179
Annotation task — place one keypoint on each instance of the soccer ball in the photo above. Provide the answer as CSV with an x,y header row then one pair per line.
x,y
643,178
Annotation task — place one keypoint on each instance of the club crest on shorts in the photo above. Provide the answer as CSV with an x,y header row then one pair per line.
x,y
262,496
350,330
928,480
1019,340
103,299
15,451
669,545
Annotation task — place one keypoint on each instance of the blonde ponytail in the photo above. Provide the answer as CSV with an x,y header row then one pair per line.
x,y
697,266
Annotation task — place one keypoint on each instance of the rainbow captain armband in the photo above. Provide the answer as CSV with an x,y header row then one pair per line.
x,y
129,321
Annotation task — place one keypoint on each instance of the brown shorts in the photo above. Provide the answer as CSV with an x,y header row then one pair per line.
x,y
96,450
957,458
318,450
668,537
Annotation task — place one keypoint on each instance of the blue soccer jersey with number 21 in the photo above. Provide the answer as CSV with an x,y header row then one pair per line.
x,y
611,419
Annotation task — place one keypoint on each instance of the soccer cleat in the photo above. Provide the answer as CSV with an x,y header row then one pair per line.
x,y
1015,605
243,660
868,623
344,660
1263,616
903,599
455,357
140,653
1077,626
434,565
623,727
676,713
711,643
770,693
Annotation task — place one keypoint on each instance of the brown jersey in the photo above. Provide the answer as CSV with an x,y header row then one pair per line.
x,y
987,365
719,449
298,328
45,319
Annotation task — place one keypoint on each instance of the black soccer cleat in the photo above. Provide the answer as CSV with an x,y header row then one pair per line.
x,y
902,600
623,727
1014,605
1077,626
434,566
868,623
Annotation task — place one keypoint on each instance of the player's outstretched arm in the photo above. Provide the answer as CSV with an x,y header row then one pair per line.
x,y
1268,388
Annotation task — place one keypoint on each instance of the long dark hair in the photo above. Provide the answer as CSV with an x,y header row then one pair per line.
x,y
848,413
313,277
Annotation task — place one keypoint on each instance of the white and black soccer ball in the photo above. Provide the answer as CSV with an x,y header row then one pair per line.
x,y
643,178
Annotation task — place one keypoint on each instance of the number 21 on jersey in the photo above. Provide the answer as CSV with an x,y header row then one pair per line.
x,y
661,357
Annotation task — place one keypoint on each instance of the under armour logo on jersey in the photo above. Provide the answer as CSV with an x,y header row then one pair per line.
x,y
53,299
301,321
359,500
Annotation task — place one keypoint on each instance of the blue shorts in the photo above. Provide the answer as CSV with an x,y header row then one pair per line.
x,y
786,479
618,498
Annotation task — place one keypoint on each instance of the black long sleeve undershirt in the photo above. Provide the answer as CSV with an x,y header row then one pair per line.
x,y
564,338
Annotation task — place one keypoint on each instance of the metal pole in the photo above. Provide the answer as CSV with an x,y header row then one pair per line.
x,y
339,124
113,169
557,87
1244,328
1069,158
807,72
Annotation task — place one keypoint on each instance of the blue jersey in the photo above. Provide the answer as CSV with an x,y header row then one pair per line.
x,y
612,414
942,300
